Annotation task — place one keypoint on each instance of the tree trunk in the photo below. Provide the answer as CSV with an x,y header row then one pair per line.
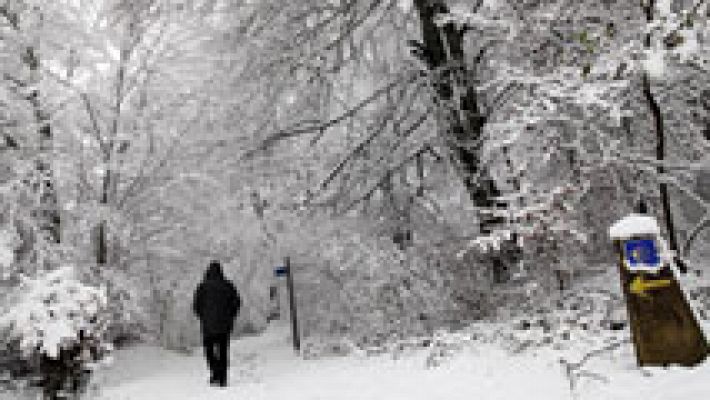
x,y
101,245
659,129
46,213
442,50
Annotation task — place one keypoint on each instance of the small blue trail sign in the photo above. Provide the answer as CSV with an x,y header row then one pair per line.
x,y
280,271
642,254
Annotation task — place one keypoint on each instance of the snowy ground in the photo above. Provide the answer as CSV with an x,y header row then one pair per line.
x,y
265,367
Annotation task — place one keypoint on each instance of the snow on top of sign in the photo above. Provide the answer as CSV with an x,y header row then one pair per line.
x,y
634,224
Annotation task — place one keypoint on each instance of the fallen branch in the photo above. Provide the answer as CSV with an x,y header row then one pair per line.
x,y
574,371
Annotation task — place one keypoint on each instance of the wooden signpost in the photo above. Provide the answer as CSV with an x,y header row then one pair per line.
x,y
663,328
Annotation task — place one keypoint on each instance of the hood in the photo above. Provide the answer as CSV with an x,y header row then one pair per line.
x,y
214,272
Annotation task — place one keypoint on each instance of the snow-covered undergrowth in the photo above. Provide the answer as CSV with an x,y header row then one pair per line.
x,y
56,324
589,318
582,334
50,311
355,283
589,314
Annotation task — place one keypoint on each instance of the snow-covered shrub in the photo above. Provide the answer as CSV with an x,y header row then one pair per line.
x,y
444,345
49,312
59,323
361,286
124,315
697,287
588,317
316,346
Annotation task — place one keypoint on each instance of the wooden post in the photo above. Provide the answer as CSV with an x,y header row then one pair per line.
x,y
292,303
663,328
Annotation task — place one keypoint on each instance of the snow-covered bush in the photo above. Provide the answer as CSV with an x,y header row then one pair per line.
x,y
49,311
124,315
588,317
362,287
697,288
59,323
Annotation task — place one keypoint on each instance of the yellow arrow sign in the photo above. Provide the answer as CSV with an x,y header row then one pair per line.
x,y
639,285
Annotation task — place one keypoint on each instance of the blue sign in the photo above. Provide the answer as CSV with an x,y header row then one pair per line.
x,y
642,254
280,271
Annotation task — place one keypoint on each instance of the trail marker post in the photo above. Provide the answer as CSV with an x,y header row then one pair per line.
x,y
663,328
285,270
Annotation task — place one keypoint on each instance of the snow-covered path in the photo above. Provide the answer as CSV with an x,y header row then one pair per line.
x,y
265,368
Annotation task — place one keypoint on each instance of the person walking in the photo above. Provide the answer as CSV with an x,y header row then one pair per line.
x,y
216,303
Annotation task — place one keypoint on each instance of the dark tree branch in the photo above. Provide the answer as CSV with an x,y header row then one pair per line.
x,y
354,24
380,128
10,142
358,149
385,178
322,127
10,17
95,128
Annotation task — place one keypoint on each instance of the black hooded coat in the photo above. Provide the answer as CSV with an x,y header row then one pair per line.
x,y
216,302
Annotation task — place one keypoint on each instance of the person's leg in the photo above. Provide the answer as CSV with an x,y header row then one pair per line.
x,y
208,342
223,345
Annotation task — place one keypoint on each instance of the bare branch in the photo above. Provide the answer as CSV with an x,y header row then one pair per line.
x,y
356,24
96,129
386,177
322,127
697,229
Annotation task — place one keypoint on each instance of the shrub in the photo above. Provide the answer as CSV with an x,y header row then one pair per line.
x,y
60,324
362,287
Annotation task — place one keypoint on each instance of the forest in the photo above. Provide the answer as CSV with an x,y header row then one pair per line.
x,y
428,167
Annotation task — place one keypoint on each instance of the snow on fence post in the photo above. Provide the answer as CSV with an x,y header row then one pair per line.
x,y
663,328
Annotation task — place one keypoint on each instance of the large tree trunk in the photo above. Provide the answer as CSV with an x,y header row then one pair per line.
x,y
442,49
